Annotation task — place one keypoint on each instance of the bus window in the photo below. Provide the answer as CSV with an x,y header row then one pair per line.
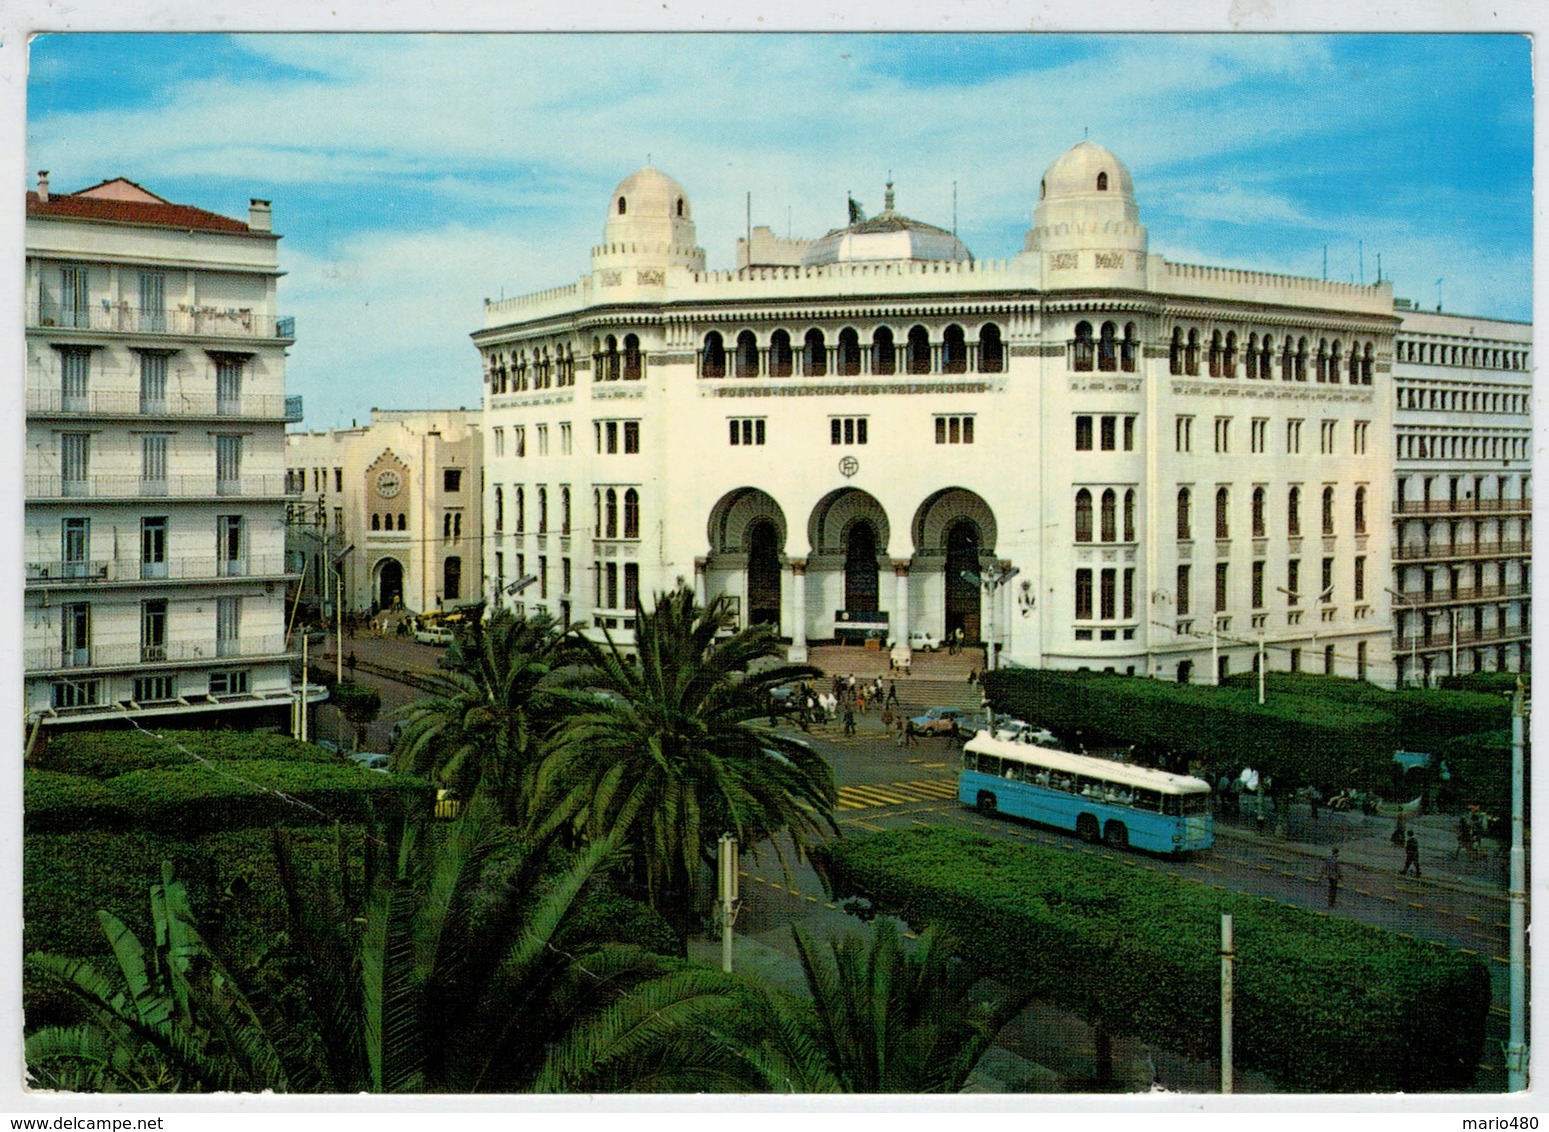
x,y
989,764
1172,805
1196,803
970,761
1148,800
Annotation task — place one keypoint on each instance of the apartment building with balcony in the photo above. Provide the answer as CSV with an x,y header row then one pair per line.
x,y
154,466
388,514
1463,495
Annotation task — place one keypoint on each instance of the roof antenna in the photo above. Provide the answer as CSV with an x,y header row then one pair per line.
x,y
648,159
887,200
1086,131
954,208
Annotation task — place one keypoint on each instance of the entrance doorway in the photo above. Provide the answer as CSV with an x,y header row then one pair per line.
x,y
389,583
764,575
860,568
962,594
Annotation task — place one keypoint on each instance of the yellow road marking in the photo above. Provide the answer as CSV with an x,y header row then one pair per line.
x,y
1500,959
1364,891
1414,904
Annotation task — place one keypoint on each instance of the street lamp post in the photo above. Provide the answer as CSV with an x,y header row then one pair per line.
x,y
336,562
1414,663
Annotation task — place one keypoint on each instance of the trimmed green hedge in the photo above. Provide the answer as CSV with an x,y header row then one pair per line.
x,y
104,754
1322,1004
1313,728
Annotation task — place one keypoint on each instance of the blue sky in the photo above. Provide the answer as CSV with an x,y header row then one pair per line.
x,y
412,176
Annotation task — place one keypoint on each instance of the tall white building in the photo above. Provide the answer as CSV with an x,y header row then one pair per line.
x,y
155,488
403,491
1463,496
1083,455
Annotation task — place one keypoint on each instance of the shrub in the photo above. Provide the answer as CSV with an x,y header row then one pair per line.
x,y
104,754
1322,1004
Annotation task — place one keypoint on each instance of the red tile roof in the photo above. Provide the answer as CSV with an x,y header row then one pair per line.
x,y
76,207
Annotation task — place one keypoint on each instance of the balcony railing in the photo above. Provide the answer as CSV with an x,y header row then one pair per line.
x,y
203,322
125,655
1461,506
1462,550
129,403
1443,639
57,572
173,487
1473,593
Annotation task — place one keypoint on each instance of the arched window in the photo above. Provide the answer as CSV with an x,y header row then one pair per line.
x,y
543,509
954,351
1301,359
747,354
1083,515
612,360
1223,530
1360,510
631,514
1258,512
1108,348
1328,510
1175,353
1366,365
1266,358
849,352
1293,512
564,510
446,525
780,354
610,527
917,351
1191,355
1081,347
622,207
1185,516
596,513
1128,349
452,578
631,357
1229,358
814,354
1129,515
403,523
1288,361
712,361
992,355
376,522
500,508
520,498
680,206
1334,360
1215,354
1322,365
1102,182
1108,517
1253,356
883,355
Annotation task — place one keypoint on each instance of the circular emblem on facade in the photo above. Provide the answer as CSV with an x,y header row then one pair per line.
x,y
388,484
849,466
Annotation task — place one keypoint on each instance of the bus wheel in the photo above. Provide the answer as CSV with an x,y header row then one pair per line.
x,y
1086,828
1116,835
986,803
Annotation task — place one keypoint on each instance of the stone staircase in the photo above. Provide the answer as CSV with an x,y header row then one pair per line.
x,y
935,679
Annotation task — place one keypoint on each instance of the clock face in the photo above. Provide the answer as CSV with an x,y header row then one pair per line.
x,y
388,485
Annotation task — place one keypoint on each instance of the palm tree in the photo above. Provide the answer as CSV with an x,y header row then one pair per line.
x,y
675,745
881,1019
481,726
174,1019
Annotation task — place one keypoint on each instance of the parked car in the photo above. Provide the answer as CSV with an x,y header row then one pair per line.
x,y
370,760
927,642
434,635
328,745
1020,731
943,721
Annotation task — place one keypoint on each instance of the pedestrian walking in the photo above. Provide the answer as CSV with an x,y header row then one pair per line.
x,y
1314,799
911,737
1333,874
1411,855
892,693
349,662
849,720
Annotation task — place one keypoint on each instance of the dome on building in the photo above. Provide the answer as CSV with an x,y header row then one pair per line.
x,y
1086,170
889,235
650,226
649,194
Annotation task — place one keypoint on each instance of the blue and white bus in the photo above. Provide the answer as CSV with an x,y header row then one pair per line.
x,y
1093,798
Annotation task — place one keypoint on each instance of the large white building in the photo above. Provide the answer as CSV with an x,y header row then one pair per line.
x,y
155,494
403,491
1463,500
1083,455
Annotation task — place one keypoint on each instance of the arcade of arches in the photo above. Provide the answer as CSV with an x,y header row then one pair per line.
x,y
853,582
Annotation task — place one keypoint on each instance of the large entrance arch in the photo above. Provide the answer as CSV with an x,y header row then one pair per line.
x,y
849,534
764,574
961,597
746,532
389,583
860,568
954,537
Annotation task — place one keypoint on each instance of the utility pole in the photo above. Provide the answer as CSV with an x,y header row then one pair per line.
x,y
1454,671
1262,667
305,685
1516,1046
1215,654
1228,956
727,858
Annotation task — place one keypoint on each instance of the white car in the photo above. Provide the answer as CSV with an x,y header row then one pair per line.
x,y
920,639
1020,731
433,635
